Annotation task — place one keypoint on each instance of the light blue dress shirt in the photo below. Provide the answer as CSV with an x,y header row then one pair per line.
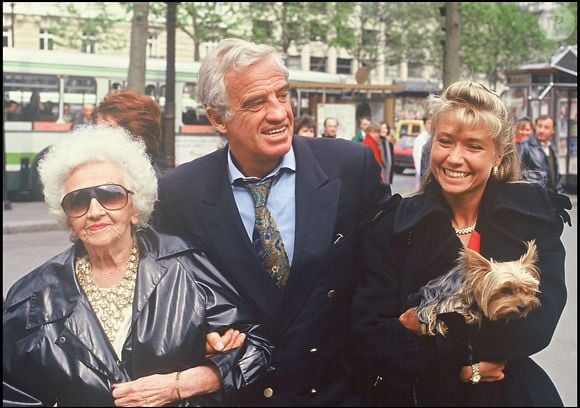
x,y
281,200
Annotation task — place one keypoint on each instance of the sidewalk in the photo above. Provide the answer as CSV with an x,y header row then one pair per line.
x,y
28,217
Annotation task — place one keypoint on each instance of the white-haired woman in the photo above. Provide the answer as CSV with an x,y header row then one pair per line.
x,y
124,302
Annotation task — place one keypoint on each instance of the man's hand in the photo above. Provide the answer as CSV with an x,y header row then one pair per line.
x,y
214,343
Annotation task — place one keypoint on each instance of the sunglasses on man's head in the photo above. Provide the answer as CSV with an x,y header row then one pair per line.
x,y
112,197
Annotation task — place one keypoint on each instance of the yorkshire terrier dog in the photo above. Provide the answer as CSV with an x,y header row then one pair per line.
x,y
476,286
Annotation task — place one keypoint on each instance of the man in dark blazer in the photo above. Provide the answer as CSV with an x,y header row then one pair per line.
x,y
322,191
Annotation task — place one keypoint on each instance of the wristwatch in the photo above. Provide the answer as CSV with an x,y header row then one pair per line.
x,y
475,376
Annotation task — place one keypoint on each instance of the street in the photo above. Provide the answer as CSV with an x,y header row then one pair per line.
x,y
25,251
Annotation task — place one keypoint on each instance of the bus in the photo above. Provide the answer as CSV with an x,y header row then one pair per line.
x,y
45,90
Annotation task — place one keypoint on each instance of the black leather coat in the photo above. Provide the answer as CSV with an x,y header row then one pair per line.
x,y
55,349
535,167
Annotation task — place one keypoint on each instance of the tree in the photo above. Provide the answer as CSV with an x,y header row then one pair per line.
x,y
500,36
452,44
300,23
74,30
138,51
202,21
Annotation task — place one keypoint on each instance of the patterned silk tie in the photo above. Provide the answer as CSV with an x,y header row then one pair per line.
x,y
266,237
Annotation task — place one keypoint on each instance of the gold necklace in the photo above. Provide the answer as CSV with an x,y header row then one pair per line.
x,y
466,230
108,303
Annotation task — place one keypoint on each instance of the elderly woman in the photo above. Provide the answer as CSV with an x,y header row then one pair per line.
x,y
123,302
471,198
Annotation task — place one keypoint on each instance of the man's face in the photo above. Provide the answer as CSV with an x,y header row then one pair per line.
x,y
259,129
331,127
544,129
364,124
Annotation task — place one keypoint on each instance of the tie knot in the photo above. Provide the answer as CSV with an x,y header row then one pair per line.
x,y
260,190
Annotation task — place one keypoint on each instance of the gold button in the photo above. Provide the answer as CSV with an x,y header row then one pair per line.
x,y
331,293
268,392
313,350
313,391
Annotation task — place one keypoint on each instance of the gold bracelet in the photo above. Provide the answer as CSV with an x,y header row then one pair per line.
x,y
177,374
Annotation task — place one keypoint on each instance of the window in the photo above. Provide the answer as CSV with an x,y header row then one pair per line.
x,y
415,69
343,65
7,37
46,39
293,62
89,43
392,71
153,45
318,64
35,96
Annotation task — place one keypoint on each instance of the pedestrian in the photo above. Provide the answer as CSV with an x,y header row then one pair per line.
x,y
386,143
299,273
363,123
524,129
538,156
372,140
330,127
305,126
121,316
137,113
420,141
472,198
85,116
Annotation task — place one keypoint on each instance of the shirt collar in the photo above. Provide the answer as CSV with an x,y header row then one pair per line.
x,y
288,162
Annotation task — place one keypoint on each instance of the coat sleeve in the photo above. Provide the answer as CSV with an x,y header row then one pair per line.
x,y
224,309
22,374
382,345
498,341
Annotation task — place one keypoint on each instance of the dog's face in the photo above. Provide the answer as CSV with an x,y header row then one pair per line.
x,y
504,290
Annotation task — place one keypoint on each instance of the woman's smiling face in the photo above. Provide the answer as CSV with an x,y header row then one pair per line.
x,y
462,158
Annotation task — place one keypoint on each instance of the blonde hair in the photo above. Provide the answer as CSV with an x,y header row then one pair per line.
x,y
99,143
474,104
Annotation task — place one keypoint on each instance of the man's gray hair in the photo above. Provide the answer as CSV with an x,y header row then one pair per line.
x,y
231,54
99,143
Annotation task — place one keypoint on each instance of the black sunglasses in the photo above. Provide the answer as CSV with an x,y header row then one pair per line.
x,y
112,197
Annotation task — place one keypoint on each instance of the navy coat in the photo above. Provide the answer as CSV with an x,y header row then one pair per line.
x,y
415,243
337,186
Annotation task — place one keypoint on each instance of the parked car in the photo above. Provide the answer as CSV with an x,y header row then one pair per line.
x,y
409,127
403,154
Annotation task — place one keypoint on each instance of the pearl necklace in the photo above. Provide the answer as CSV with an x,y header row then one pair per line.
x,y
466,230
109,303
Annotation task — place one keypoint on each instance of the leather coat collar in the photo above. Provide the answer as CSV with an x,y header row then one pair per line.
x,y
55,293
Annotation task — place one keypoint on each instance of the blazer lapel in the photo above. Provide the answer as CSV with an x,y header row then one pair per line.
x,y
317,200
226,236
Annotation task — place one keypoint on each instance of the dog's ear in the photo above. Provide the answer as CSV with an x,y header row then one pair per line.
x,y
475,264
529,259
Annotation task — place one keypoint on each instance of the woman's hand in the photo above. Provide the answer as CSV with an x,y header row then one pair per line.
x,y
490,371
410,320
152,391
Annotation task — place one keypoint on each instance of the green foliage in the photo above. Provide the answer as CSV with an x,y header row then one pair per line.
x,y
500,36
98,29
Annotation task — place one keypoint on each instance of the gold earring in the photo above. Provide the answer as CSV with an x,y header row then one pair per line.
x,y
495,171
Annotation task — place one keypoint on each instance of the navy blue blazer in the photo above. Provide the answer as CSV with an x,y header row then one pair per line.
x,y
337,187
